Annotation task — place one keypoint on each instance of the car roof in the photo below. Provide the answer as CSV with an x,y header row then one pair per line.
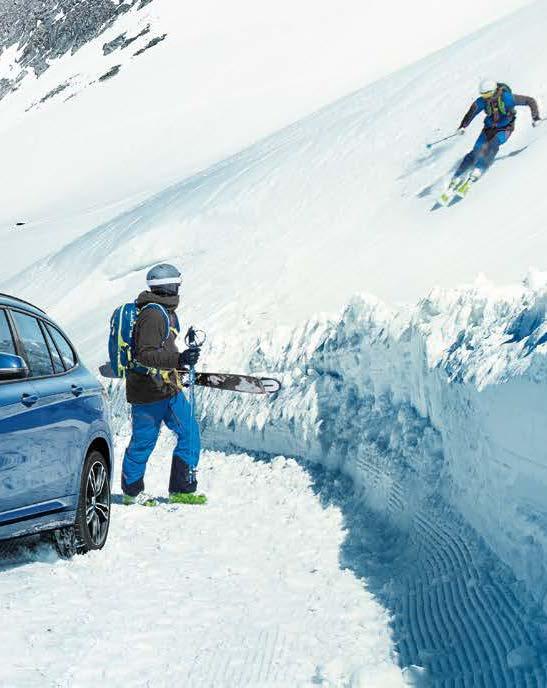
x,y
7,300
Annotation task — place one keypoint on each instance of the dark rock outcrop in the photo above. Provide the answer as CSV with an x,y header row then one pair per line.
x,y
47,29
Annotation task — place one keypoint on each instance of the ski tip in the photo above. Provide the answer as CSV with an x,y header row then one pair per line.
x,y
270,384
443,201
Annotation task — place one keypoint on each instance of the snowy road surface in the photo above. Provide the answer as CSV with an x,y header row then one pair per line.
x,y
247,591
284,580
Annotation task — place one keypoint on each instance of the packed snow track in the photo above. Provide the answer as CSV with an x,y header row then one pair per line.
x,y
457,613
246,591
286,578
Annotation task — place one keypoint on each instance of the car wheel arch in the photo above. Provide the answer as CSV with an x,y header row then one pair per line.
x,y
101,445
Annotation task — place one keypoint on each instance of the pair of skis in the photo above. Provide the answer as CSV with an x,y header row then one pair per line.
x,y
460,186
456,191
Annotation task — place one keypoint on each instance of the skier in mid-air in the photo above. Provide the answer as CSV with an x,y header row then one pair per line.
x,y
153,389
499,103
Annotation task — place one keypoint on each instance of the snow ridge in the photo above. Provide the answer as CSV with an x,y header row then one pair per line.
x,y
418,407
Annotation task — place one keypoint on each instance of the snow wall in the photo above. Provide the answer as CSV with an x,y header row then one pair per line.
x,y
439,407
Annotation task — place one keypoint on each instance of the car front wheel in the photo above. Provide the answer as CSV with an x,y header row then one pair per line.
x,y
90,528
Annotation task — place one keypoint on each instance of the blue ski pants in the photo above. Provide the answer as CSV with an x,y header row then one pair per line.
x,y
484,151
147,420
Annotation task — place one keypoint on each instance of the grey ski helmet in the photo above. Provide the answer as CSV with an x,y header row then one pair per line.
x,y
164,279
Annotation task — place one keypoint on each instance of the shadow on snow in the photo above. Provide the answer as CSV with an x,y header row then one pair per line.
x,y
459,618
26,550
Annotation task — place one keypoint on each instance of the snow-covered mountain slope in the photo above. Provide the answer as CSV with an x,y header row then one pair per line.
x,y
328,207
77,147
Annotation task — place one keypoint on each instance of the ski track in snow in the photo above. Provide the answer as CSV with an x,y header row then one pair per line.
x,y
455,613
247,591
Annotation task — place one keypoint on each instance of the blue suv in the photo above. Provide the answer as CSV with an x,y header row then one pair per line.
x,y
55,440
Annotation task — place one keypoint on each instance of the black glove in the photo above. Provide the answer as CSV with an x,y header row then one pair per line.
x,y
189,357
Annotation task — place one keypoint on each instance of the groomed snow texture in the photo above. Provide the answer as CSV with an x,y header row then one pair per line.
x,y
246,592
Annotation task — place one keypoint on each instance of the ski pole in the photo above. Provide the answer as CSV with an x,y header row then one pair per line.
x,y
191,342
446,138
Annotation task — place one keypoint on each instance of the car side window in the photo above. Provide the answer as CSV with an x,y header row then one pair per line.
x,y
55,355
32,339
7,345
64,347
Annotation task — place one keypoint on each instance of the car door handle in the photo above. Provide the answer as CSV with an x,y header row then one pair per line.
x,y
29,399
77,390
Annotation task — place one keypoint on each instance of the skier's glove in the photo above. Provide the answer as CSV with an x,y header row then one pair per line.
x,y
189,357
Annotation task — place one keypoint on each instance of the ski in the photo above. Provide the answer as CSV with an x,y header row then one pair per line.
x,y
457,190
448,195
464,188
246,384
444,200
238,383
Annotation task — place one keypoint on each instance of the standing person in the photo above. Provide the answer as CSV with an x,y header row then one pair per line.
x,y
499,103
155,394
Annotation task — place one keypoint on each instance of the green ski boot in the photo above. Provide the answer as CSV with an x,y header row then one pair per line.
x,y
187,498
141,499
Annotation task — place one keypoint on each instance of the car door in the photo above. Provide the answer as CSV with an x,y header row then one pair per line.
x,y
54,465
20,434
81,396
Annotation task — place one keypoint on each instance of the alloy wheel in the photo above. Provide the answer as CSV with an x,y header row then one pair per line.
x,y
97,506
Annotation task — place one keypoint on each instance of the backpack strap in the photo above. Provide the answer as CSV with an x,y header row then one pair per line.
x,y
138,367
176,326
165,314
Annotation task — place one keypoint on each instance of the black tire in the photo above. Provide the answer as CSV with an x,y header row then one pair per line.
x,y
90,529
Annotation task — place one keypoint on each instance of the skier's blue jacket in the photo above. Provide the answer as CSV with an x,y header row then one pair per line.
x,y
500,110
